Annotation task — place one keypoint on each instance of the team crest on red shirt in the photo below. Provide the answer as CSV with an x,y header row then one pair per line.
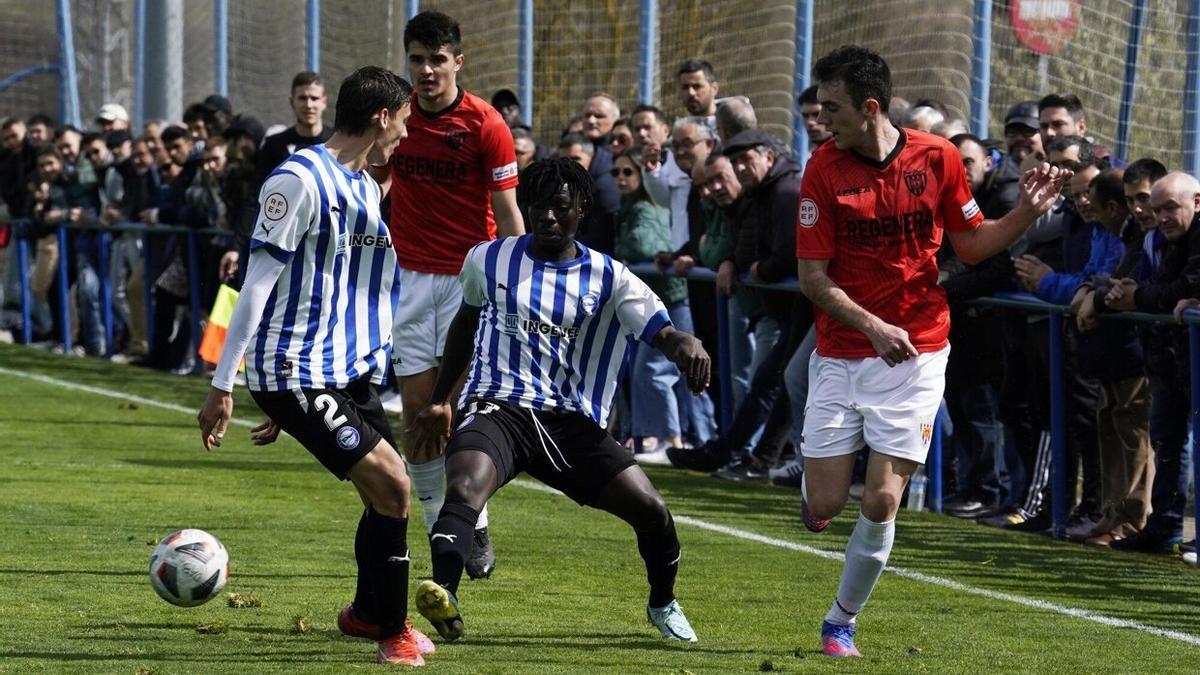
x,y
915,180
455,138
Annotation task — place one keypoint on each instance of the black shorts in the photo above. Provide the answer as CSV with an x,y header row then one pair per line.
x,y
338,426
565,450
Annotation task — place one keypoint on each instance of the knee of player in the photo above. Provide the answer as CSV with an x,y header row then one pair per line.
x,y
391,498
880,504
825,506
653,514
464,489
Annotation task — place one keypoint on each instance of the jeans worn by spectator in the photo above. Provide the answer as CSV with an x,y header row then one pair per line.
x,y
661,404
795,381
87,298
981,464
1168,436
741,352
126,278
766,384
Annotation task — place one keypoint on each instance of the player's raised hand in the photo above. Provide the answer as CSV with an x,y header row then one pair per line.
x,y
265,433
892,344
214,417
1040,186
430,429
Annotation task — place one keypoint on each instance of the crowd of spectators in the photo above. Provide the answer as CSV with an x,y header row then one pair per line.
x,y
705,188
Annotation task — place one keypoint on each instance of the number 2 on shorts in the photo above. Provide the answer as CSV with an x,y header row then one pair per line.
x,y
326,403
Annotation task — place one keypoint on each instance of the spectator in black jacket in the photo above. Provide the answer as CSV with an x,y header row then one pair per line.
x,y
308,103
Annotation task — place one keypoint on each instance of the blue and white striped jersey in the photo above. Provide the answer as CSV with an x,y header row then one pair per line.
x,y
553,336
328,321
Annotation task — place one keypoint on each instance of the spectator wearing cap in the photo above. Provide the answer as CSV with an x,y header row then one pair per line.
x,y
112,116
506,103
218,114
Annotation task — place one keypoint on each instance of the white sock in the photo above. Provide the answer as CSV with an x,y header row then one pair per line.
x,y
429,486
866,555
804,485
482,522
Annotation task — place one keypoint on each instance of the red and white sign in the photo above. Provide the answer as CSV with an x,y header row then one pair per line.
x,y
1045,26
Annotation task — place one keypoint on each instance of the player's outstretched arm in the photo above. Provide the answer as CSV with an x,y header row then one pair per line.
x,y
687,353
890,342
432,425
1040,187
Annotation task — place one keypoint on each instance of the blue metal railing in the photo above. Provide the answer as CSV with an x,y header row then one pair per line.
x,y
1058,416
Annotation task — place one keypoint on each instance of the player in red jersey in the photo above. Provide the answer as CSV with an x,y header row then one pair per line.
x,y
453,185
873,209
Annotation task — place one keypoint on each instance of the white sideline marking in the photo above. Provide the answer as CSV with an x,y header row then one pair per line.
x,y
720,529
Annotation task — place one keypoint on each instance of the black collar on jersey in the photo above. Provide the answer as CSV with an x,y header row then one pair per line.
x,y
875,164
438,113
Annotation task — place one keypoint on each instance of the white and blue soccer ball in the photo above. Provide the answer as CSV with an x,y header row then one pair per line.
x,y
189,568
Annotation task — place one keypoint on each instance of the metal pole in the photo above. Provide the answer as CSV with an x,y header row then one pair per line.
x,y
411,8
106,291
314,35
194,294
935,462
1058,427
648,51
26,301
981,68
148,289
221,46
1125,116
1194,368
139,63
525,62
1191,93
64,308
724,368
69,86
801,77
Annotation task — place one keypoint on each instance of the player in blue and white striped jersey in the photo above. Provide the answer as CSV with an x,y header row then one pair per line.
x,y
314,322
551,321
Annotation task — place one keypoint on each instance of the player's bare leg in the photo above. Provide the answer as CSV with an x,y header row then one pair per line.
x,y
824,488
471,480
868,549
631,497
427,467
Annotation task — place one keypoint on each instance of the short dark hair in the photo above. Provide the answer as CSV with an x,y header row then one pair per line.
x,y
365,92
65,129
173,133
1087,154
808,96
41,118
305,78
47,149
1069,101
697,66
658,114
958,139
91,137
433,30
863,72
1109,186
521,132
582,141
1146,168
543,178
196,112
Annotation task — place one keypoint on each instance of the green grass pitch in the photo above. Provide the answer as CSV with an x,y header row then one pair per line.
x,y
89,482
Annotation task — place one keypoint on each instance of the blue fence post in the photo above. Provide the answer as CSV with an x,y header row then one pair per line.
x,y
1058,427
221,46
411,8
801,77
934,464
313,18
139,62
194,295
148,289
724,368
981,68
64,287
26,301
1125,116
1194,372
525,62
1191,92
106,291
69,85
648,51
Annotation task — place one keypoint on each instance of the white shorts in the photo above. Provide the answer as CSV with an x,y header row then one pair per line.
x,y
852,402
428,303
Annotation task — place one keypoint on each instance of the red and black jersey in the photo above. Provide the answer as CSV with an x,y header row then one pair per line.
x,y
880,225
443,175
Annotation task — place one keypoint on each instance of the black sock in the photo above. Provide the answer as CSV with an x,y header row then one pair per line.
x,y
364,602
387,556
450,543
660,551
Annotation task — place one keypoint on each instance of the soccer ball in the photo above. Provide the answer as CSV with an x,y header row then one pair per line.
x,y
189,567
